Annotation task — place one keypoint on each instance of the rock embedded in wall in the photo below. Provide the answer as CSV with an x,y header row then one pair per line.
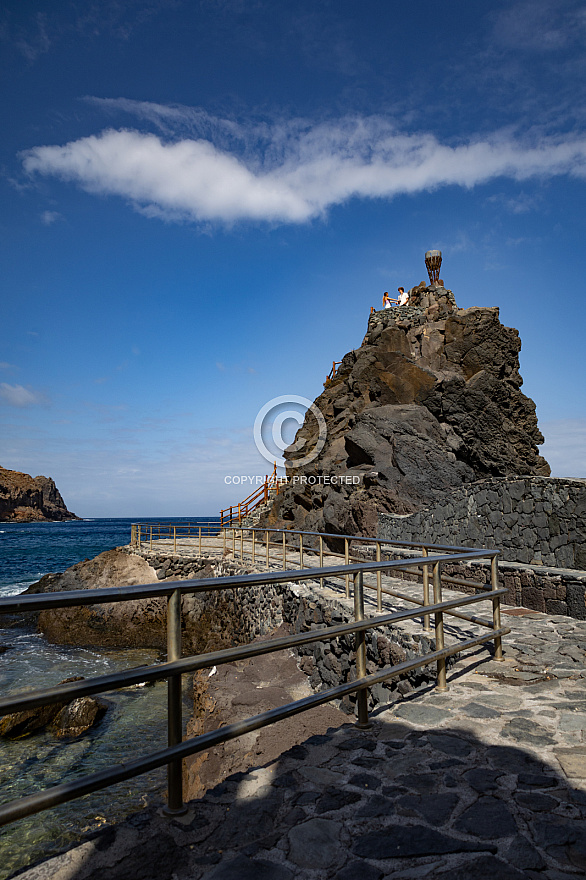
x,y
430,401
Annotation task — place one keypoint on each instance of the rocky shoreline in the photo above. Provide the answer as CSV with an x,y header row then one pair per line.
x,y
30,499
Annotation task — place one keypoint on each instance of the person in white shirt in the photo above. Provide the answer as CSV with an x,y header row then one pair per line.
x,y
403,297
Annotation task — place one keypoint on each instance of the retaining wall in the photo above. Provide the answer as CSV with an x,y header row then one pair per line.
x,y
535,520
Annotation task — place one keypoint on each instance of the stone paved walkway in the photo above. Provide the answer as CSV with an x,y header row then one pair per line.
x,y
488,780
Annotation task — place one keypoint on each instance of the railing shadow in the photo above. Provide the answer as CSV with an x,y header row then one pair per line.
x,y
346,804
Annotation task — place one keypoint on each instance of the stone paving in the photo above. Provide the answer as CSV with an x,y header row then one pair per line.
x,y
487,780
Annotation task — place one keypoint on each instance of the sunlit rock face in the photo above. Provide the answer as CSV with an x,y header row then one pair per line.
x,y
30,499
431,400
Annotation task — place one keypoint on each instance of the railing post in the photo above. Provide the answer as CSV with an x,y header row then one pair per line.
x,y
346,561
379,585
268,561
284,552
241,543
239,515
151,546
253,546
200,540
139,529
321,559
175,804
233,543
224,538
300,551
361,695
496,608
439,628
426,619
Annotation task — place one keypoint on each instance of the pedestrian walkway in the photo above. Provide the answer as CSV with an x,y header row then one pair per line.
x,y
488,780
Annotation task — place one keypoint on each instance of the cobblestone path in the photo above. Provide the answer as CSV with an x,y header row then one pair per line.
x,y
487,780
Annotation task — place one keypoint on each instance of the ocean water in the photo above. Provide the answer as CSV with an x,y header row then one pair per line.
x,y
135,723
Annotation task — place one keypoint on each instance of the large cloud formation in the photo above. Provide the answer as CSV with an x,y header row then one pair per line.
x,y
292,173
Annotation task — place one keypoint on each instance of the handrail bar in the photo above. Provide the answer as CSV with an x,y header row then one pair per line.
x,y
32,699
390,541
67,791
66,599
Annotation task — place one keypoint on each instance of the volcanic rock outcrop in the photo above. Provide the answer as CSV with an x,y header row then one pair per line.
x,y
431,400
30,499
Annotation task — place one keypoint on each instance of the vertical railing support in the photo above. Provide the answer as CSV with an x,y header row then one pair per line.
x,y
175,804
379,585
151,544
174,539
361,695
496,608
253,546
268,561
426,617
200,540
284,553
300,551
321,559
346,561
242,544
233,543
439,628
224,547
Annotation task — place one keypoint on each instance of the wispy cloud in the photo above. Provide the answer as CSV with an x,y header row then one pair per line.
x,y
542,25
293,172
50,217
18,395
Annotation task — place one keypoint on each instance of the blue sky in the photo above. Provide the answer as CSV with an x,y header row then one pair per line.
x,y
202,200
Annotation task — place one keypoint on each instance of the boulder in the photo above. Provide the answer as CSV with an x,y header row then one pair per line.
x,y
64,719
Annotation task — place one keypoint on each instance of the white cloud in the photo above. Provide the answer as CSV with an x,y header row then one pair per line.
x,y
294,172
18,395
565,447
49,217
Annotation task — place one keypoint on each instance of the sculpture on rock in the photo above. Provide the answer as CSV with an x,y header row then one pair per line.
x,y
433,262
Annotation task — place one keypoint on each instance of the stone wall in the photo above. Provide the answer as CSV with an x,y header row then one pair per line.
x,y
255,611
535,520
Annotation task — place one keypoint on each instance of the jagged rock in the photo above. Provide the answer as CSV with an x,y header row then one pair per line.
x,y
28,499
431,400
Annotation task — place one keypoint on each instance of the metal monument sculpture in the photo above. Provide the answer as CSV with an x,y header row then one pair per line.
x,y
433,261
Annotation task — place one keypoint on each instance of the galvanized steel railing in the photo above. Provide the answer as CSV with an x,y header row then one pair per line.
x,y
176,666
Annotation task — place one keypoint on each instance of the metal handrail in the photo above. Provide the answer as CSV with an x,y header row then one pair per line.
x,y
332,374
237,512
176,666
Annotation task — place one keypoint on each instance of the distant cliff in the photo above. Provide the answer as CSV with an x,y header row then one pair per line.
x,y
430,401
30,499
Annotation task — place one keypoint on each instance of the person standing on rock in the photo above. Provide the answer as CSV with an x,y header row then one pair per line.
x,y
403,297
386,300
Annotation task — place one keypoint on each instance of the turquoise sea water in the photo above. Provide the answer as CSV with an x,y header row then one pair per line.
x,y
136,720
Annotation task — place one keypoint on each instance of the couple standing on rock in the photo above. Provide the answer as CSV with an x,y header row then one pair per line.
x,y
401,301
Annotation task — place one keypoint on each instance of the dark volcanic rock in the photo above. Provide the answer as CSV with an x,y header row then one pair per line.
x,y
28,499
431,400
